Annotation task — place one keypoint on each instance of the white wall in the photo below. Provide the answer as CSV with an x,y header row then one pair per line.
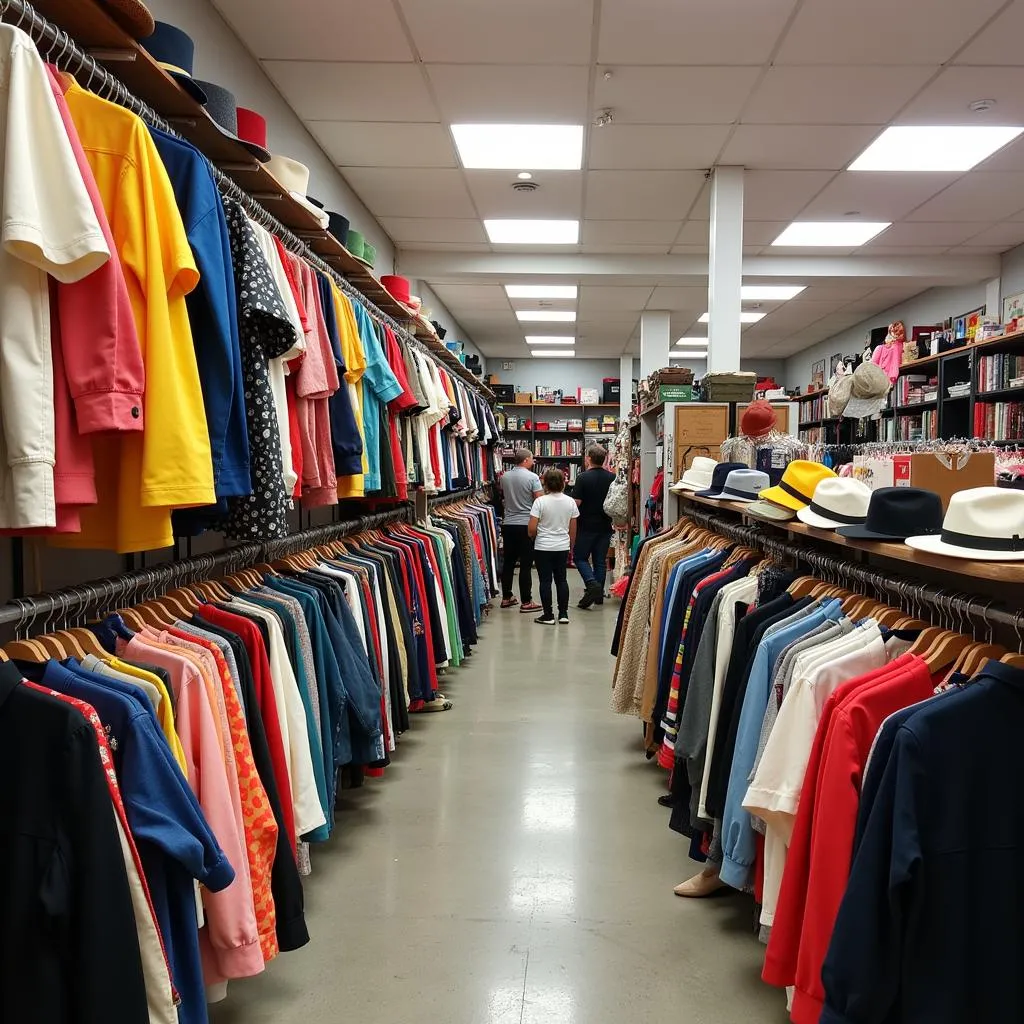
x,y
930,307
567,374
435,309
222,58
762,367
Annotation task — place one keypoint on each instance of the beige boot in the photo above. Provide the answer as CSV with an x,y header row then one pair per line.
x,y
704,884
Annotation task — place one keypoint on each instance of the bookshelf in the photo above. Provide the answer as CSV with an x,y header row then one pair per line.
x,y
971,391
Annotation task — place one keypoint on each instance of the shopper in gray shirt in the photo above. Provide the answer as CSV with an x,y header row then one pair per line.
x,y
520,487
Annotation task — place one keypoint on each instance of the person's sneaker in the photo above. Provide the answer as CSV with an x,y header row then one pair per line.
x,y
563,620
545,620
599,602
591,594
529,606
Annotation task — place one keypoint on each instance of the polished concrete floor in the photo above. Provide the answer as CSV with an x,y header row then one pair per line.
x,y
514,867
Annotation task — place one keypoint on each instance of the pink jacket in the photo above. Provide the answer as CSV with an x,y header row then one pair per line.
x,y
889,358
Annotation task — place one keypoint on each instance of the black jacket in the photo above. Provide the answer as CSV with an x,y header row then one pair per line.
x,y
70,948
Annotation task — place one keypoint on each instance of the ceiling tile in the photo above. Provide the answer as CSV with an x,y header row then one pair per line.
x,y
693,232
636,248
344,30
814,147
780,195
675,95
978,196
902,250
384,144
641,195
629,232
946,100
999,43
910,233
841,291
833,95
473,296
492,31
329,91
999,234
688,299
400,192
881,32
510,93
441,246
878,300
598,299
697,32
433,229
559,196
655,147
761,232
977,250
875,195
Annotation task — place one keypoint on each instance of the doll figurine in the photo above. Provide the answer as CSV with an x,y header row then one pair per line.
x,y
889,355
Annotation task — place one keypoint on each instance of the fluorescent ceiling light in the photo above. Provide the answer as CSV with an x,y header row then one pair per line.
x,y
933,147
551,316
688,355
550,339
771,292
541,291
693,342
554,353
746,317
511,147
533,232
844,233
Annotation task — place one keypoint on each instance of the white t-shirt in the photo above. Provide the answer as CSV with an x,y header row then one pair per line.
x,y
554,512
48,225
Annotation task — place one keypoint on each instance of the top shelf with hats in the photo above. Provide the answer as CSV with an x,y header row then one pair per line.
x,y
96,31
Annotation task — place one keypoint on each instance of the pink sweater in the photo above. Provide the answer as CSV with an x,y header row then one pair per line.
x,y
888,358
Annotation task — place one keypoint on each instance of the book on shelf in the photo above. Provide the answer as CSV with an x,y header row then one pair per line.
x,y
999,421
998,372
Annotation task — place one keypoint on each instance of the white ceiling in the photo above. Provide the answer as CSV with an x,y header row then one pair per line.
x,y
792,90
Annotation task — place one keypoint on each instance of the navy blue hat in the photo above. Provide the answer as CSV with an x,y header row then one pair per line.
x,y
338,226
175,51
718,478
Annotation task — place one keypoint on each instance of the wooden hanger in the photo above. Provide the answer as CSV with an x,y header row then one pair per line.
x,y
88,642
802,586
70,643
1016,660
27,650
974,655
3,655
53,647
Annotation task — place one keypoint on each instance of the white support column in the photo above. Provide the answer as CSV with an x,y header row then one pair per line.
x,y
625,386
994,298
725,272
655,341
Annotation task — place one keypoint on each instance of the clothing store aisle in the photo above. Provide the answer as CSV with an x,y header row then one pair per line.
x,y
514,867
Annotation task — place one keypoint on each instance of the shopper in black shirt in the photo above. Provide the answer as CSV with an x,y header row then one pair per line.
x,y
594,530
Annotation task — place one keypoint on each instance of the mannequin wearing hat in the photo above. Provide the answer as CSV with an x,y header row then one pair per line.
x,y
758,429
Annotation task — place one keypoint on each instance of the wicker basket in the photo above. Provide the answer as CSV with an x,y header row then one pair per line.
x,y
729,387
671,375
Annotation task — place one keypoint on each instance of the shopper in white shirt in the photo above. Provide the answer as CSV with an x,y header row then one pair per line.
x,y
553,527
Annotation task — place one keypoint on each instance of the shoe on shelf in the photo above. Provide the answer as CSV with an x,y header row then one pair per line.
x,y
545,620
700,886
563,620
529,606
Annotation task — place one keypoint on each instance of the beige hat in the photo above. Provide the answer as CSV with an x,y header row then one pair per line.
x,y
294,177
869,386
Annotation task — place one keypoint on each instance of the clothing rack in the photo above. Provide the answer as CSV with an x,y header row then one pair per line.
x,y
77,603
463,495
58,48
969,610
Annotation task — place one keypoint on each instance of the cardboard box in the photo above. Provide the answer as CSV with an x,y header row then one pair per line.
x,y
675,393
945,474
524,398
588,396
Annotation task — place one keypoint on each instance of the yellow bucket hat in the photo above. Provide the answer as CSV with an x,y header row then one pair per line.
x,y
796,489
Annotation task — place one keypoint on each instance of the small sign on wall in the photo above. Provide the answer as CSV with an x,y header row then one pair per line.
x,y
507,364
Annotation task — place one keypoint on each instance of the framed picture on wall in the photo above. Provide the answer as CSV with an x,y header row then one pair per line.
x,y
818,375
833,363
1013,307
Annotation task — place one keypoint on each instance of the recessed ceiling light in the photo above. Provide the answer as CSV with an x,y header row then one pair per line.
x,y
844,234
933,147
554,353
541,291
771,292
524,176
551,316
550,339
746,317
693,342
555,147
533,232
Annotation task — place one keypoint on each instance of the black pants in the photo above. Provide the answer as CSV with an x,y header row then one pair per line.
x,y
552,565
518,548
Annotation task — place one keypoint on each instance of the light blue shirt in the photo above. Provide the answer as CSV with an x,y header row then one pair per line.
x,y
672,590
739,841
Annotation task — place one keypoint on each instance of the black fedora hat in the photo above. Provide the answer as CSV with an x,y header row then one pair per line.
x,y
896,513
718,478
175,51
338,226
223,109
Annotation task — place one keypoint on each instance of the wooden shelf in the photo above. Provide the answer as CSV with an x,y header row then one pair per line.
x,y
809,423
922,361
1004,395
810,395
1001,572
904,410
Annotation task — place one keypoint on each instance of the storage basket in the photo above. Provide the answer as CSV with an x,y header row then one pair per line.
x,y
729,387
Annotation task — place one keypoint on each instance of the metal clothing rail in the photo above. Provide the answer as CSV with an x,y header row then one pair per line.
x,y
79,602
62,51
447,499
970,610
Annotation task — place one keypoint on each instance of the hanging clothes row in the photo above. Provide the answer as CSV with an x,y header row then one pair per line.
x,y
764,694
171,767
167,358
